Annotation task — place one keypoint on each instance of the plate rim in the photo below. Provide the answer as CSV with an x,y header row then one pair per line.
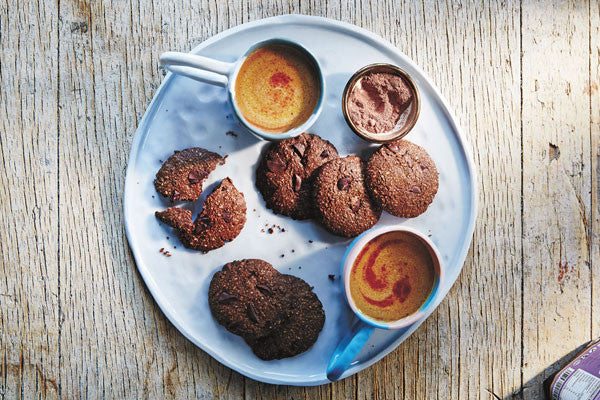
x,y
445,108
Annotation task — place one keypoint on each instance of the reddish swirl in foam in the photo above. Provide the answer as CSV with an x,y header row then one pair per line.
x,y
392,276
279,79
401,288
400,291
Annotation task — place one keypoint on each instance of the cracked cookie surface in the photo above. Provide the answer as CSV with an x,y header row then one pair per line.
x,y
342,202
402,178
222,219
285,172
300,329
182,175
247,297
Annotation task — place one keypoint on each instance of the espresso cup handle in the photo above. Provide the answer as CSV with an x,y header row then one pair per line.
x,y
200,68
348,349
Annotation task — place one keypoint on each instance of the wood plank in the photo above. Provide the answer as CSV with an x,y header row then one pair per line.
x,y
556,186
29,308
115,341
594,93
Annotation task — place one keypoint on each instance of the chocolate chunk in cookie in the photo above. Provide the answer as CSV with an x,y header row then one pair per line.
x,y
182,175
303,323
342,203
402,178
284,175
221,220
247,298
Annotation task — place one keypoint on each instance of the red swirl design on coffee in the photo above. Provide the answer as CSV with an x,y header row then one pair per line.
x,y
401,288
392,276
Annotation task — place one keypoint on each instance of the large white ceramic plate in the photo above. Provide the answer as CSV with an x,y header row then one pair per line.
x,y
187,113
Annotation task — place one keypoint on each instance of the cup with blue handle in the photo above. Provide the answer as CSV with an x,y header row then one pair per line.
x,y
364,325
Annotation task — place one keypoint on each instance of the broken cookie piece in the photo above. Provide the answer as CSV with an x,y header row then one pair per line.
x,y
182,175
221,220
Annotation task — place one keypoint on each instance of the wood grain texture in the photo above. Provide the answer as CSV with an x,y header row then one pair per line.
x,y
29,289
557,307
594,95
76,77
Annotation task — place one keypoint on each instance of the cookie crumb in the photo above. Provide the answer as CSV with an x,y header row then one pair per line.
x,y
282,229
310,241
283,255
299,267
165,252
270,231
231,133
331,277
293,251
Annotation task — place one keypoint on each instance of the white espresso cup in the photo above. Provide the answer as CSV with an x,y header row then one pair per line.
x,y
220,73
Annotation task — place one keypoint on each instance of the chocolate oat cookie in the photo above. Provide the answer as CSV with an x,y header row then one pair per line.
x,y
179,219
182,175
246,298
304,321
284,174
221,220
402,178
342,203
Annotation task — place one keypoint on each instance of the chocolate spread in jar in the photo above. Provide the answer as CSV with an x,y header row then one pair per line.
x,y
380,102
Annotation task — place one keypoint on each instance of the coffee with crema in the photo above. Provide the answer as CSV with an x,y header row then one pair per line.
x,y
392,276
277,88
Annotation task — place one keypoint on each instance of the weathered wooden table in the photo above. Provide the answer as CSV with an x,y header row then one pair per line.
x,y
76,77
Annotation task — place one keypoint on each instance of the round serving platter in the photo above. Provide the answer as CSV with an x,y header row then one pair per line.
x,y
185,113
